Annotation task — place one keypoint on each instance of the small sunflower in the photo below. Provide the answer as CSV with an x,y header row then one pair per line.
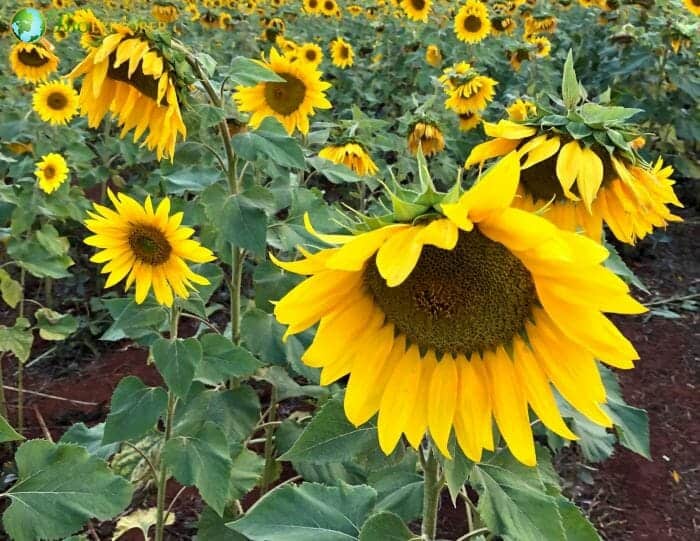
x,y
447,322
352,155
417,10
503,25
693,6
329,8
312,7
32,62
519,56
311,54
149,248
128,77
433,56
467,91
469,120
51,172
472,22
355,10
542,46
342,54
164,12
521,110
92,27
55,102
291,101
428,137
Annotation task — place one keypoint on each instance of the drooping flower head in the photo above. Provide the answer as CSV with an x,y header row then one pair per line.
x,y
55,102
291,100
128,77
51,172
146,247
352,155
467,90
428,137
32,62
462,313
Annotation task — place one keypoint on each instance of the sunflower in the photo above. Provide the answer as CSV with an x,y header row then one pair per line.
x,y
342,54
311,54
128,77
149,248
291,101
312,7
164,12
583,185
472,22
543,24
93,28
329,8
433,56
473,95
469,120
542,46
503,25
417,10
55,102
32,62
352,155
355,10
693,6
51,172
519,56
450,321
521,110
428,137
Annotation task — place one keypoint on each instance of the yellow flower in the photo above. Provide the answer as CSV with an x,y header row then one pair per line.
x,y
93,29
472,22
582,187
503,25
542,46
469,120
312,7
473,95
693,6
427,136
520,110
352,155
417,10
164,12
291,101
55,102
517,57
433,56
329,8
32,62
146,247
311,54
446,324
342,54
129,78
51,172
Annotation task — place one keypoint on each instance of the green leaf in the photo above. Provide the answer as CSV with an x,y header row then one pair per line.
x,y
176,361
247,72
615,263
18,339
44,254
191,179
212,527
632,427
198,455
134,411
569,83
308,511
286,387
271,143
55,326
578,130
385,526
330,437
133,320
208,115
593,113
60,487
398,491
576,525
222,359
457,470
262,335
244,225
7,433
246,468
334,172
271,284
91,439
10,289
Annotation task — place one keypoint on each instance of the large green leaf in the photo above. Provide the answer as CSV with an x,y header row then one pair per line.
x,y
44,254
176,361
222,359
262,335
271,142
18,339
246,469
133,320
385,526
134,411
10,289
330,437
247,72
576,526
91,439
212,527
198,454
244,225
53,325
308,511
569,87
60,487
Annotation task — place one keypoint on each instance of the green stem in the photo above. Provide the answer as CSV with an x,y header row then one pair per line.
x,y
20,364
3,402
269,469
432,487
162,480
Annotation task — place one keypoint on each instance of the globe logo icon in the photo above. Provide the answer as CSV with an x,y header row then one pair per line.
x,y
28,25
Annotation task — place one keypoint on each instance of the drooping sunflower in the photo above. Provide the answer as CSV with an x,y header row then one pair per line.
x,y
503,25
355,10
693,6
128,77
433,56
447,322
146,247
51,172
467,90
55,102
581,184
469,120
541,24
291,101
428,137
352,155
417,10
32,62
342,54
521,110
472,22
164,12
311,54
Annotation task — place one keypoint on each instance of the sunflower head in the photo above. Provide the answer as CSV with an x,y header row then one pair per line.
x,y
92,28
342,54
467,91
55,102
32,62
311,53
416,10
353,155
426,136
433,56
51,172
472,23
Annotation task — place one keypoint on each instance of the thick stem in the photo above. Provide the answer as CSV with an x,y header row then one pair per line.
x,y
269,469
20,364
432,486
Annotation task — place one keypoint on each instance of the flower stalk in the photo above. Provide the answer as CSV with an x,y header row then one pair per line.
x,y
432,487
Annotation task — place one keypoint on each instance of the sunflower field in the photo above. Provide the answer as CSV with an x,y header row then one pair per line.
x,y
335,270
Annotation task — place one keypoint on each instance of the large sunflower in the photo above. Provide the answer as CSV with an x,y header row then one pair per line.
x,y
582,185
352,155
51,172
291,101
472,22
417,10
32,62
55,102
128,77
445,323
149,248
342,54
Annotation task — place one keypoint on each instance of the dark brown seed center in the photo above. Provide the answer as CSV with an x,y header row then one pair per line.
x,y
149,244
472,23
285,98
32,58
57,101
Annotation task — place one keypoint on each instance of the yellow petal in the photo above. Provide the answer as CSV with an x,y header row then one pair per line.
x,y
490,149
546,150
440,233
398,256
508,130
442,402
330,239
590,176
417,423
354,254
568,163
